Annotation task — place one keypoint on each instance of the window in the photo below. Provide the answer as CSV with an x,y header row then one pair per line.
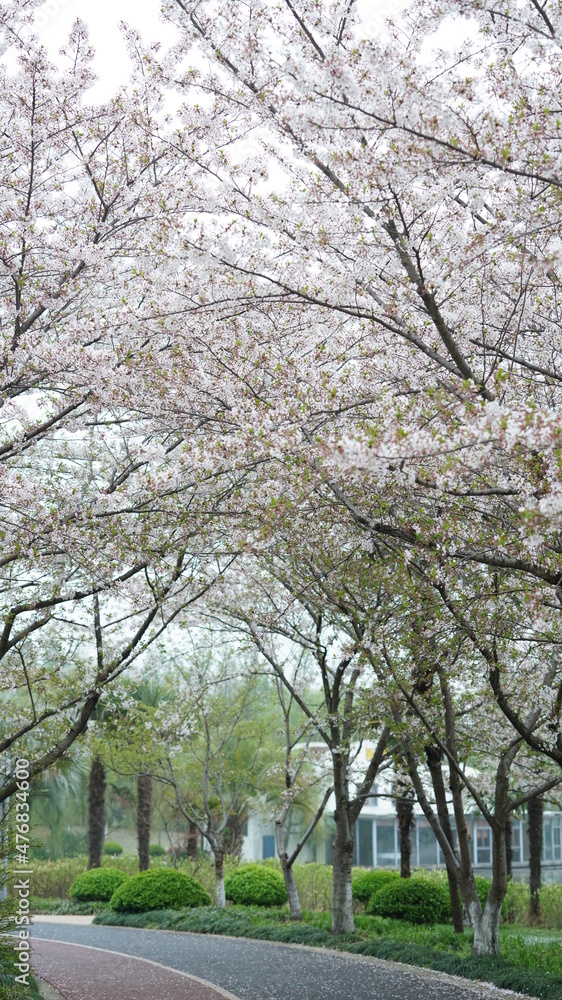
x,y
516,841
427,844
483,843
551,837
364,843
386,843
268,846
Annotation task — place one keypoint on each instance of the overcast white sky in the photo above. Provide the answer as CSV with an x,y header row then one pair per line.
x,y
55,17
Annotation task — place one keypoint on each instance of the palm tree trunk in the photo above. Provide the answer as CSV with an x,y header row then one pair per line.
x,y
535,812
96,813
144,802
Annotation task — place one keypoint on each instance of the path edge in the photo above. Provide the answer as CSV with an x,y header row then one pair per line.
x,y
417,970
47,991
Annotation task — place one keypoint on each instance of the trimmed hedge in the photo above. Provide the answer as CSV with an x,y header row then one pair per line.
x,y
157,851
365,883
256,885
159,889
413,899
97,884
112,847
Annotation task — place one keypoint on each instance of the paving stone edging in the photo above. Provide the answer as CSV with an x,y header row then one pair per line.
x,y
47,991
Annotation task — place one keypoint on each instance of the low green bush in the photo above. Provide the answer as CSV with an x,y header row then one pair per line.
x,y
112,847
256,885
365,883
159,889
97,884
483,886
413,899
314,883
157,851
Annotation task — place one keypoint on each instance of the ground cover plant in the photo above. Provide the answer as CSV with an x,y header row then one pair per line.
x,y
531,963
159,889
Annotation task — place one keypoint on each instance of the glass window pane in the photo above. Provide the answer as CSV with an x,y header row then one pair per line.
x,y
386,856
427,845
547,839
365,839
483,842
268,846
556,839
515,840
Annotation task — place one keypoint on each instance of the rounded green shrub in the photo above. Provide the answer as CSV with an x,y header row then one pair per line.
x,y
413,899
112,847
365,883
255,885
156,851
97,884
159,889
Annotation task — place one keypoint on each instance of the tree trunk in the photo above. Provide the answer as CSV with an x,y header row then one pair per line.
x,y
144,803
535,810
434,757
219,879
342,858
295,911
235,834
486,930
96,813
405,815
192,840
509,847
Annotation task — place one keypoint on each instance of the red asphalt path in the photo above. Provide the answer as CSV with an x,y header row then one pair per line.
x,y
83,973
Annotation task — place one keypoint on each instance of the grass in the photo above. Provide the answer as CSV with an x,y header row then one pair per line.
x,y
531,961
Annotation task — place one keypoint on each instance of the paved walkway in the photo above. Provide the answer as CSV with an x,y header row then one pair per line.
x,y
245,969
79,972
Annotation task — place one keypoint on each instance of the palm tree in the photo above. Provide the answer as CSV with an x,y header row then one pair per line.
x,y
96,813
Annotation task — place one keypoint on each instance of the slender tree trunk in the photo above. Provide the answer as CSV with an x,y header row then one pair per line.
x,y
192,840
342,852
509,847
295,910
405,815
144,804
434,757
219,879
96,813
535,810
